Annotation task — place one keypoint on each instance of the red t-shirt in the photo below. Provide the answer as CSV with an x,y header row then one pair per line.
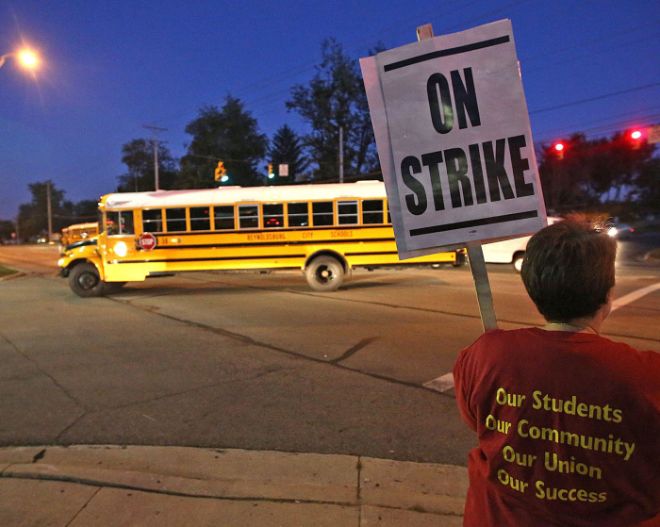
x,y
568,427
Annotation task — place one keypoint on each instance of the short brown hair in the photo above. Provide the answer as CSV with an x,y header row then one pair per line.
x,y
568,269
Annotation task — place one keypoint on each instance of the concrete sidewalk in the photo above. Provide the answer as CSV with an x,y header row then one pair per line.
x,y
103,486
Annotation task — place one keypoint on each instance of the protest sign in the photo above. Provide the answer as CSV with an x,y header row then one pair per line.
x,y
454,140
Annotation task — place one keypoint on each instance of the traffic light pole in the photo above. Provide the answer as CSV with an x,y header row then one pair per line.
x,y
49,211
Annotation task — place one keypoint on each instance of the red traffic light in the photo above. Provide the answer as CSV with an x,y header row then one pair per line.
x,y
558,148
637,134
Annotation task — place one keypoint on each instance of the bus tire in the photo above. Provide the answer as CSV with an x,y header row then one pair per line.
x,y
324,273
84,281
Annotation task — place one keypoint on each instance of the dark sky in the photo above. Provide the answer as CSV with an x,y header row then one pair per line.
x,y
113,66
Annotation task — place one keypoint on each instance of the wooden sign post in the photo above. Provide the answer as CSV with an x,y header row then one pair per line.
x,y
474,250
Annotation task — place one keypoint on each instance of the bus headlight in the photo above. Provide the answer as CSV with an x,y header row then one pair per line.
x,y
121,249
60,262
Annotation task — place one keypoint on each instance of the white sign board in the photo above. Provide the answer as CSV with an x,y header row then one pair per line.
x,y
454,140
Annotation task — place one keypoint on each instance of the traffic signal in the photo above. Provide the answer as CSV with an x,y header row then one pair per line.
x,y
636,136
558,149
271,174
220,172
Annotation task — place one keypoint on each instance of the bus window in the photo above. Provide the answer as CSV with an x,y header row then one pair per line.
x,y
199,219
298,214
126,225
347,212
112,223
224,218
322,213
152,220
248,216
176,220
372,211
273,215
118,222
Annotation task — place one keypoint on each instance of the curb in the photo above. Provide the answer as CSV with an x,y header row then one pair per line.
x,y
12,276
385,491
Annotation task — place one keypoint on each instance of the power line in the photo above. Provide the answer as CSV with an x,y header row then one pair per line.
x,y
596,98
613,123
286,75
598,39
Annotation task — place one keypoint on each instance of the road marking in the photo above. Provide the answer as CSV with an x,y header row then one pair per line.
x,y
445,382
635,295
442,384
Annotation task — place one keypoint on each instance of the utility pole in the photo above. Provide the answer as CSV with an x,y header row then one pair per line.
x,y
154,140
49,210
341,154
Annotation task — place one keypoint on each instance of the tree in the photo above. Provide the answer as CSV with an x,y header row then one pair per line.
x,y
335,99
229,135
85,211
593,172
647,185
71,212
33,216
6,229
286,148
138,156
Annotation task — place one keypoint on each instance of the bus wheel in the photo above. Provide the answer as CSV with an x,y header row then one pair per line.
x,y
84,281
324,273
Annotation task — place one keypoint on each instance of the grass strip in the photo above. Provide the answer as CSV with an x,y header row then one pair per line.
x,y
6,271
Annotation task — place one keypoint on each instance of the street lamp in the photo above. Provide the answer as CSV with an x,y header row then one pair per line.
x,y
27,58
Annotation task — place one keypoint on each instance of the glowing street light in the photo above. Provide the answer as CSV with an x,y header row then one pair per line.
x,y
27,58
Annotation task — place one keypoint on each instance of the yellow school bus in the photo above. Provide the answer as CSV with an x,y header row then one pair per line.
x,y
78,232
325,230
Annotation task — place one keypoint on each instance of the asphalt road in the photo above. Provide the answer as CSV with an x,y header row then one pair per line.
x,y
259,361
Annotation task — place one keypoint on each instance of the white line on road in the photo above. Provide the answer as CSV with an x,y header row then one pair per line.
x,y
635,295
445,382
442,384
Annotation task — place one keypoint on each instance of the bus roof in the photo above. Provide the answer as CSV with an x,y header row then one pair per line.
x,y
89,225
229,195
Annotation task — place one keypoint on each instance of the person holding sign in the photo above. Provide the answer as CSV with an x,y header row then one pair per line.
x,y
568,421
